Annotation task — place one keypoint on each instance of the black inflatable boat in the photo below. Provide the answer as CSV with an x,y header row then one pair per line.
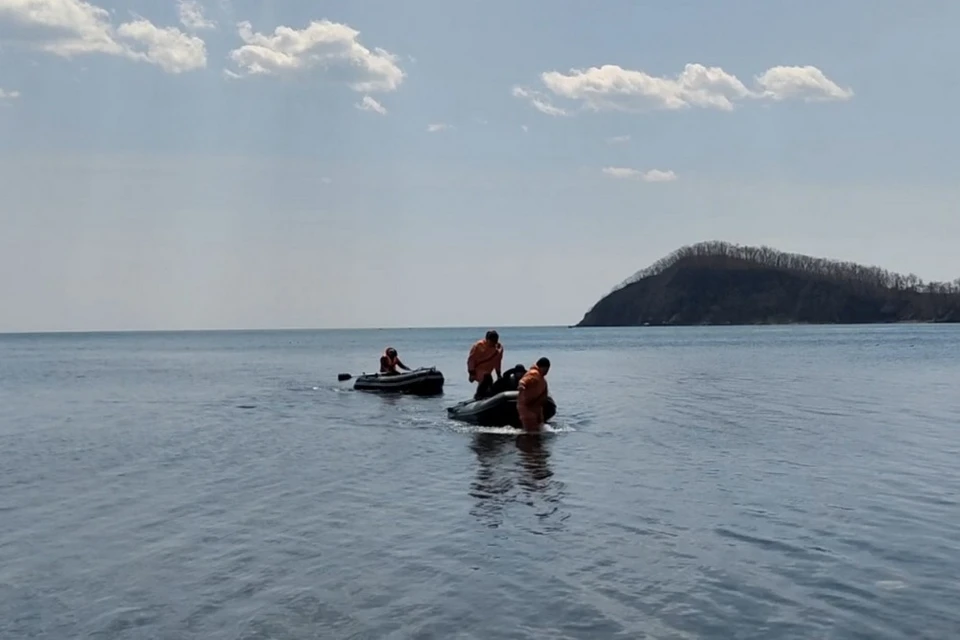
x,y
497,411
419,382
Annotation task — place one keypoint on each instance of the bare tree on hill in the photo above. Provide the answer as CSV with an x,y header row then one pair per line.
x,y
724,255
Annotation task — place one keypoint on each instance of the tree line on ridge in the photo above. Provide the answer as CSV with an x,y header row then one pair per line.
x,y
725,255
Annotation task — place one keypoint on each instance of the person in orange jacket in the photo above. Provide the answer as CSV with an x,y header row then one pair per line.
x,y
389,362
532,395
486,356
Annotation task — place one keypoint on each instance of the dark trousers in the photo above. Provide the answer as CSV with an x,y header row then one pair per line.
x,y
485,388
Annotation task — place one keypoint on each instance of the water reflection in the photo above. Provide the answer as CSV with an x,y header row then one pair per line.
x,y
489,488
514,470
534,457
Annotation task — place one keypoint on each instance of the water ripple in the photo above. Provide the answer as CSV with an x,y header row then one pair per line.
x,y
697,483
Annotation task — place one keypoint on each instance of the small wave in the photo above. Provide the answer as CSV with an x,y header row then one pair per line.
x,y
326,388
504,431
510,431
891,585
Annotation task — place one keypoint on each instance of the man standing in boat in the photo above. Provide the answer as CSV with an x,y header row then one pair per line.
x,y
389,362
532,395
486,356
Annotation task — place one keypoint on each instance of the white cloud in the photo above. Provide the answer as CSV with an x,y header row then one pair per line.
x,y
75,27
539,101
622,173
326,180
8,95
656,175
618,139
369,104
437,127
525,128
167,47
328,45
613,88
807,83
653,175
192,17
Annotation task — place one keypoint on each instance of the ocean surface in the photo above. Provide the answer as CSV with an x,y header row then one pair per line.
x,y
770,482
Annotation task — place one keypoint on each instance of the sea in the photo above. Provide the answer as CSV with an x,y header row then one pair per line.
x,y
716,482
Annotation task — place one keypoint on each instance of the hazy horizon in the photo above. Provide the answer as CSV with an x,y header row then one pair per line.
x,y
293,328
482,328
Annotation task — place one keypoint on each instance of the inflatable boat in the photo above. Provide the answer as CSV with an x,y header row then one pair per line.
x,y
419,382
497,411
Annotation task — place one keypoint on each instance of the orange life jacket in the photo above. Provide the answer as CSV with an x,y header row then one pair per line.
x,y
484,359
532,390
388,364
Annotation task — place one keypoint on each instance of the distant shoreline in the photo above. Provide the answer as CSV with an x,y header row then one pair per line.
x,y
175,332
791,323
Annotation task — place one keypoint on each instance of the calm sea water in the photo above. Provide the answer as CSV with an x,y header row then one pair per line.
x,y
697,483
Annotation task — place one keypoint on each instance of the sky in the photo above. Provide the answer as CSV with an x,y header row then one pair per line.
x,y
207,164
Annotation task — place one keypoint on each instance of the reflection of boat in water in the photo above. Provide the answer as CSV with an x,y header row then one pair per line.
x,y
515,470
420,382
491,487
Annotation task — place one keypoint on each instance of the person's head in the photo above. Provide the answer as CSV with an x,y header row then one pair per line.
x,y
391,352
493,337
544,365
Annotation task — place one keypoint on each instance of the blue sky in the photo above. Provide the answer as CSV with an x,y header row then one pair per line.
x,y
228,164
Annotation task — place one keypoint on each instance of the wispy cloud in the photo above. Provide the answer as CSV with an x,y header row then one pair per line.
x,y
437,127
653,175
192,16
539,101
369,104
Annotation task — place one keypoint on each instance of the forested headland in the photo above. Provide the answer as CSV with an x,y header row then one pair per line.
x,y
722,283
